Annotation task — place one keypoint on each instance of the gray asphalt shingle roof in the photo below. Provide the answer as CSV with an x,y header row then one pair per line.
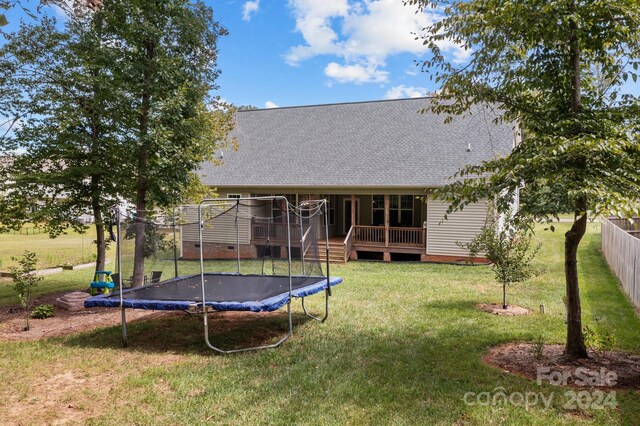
x,y
366,144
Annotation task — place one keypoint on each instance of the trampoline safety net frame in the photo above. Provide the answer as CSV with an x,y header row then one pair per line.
x,y
307,213
288,209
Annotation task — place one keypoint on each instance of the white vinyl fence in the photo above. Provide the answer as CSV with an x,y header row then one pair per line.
x,y
621,248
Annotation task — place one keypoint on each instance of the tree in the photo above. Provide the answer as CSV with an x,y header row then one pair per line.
x,y
25,281
166,65
508,248
57,86
556,68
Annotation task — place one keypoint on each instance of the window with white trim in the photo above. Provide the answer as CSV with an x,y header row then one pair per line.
x,y
400,210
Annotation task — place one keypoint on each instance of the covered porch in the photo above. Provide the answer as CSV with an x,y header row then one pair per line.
x,y
378,226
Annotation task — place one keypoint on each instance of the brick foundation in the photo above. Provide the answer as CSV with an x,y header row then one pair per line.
x,y
451,259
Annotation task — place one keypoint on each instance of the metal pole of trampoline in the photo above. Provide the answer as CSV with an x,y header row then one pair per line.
x,y
326,239
301,239
237,236
204,305
123,316
175,245
289,262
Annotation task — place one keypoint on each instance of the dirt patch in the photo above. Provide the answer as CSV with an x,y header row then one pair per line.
x,y
609,370
512,310
70,394
12,320
248,328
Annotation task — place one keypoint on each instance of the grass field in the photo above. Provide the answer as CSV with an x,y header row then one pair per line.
x,y
69,248
402,346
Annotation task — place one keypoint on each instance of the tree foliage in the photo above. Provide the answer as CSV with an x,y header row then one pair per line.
x,y
114,106
556,68
166,53
509,250
67,147
25,281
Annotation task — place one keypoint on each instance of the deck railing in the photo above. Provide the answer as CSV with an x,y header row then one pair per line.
x,y
407,237
348,243
369,235
398,236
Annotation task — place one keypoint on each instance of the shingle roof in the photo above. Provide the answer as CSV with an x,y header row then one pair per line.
x,y
366,144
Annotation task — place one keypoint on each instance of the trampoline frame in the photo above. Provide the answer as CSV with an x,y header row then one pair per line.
x,y
289,332
203,306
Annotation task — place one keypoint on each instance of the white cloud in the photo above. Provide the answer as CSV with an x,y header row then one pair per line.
x,y
249,9
270,104
362,33
355,73
402,91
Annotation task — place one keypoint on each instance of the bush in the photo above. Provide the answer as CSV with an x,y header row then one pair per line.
x,y
509,250
42,312
25,280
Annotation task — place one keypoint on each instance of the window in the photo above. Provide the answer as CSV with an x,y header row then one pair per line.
x,y
331,207
400,210
377,203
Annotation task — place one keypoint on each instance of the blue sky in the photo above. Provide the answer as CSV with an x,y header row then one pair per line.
x,y
303,52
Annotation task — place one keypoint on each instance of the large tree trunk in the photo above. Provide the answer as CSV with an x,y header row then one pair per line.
x,y
101,245
575,346
143,158
141,216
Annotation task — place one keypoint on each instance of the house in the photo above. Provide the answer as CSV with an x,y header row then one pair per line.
x,y
374,161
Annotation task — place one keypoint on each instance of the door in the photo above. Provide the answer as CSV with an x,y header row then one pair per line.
x,y
346,217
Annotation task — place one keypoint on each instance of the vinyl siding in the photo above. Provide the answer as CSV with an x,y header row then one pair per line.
x,y
220,229
442,235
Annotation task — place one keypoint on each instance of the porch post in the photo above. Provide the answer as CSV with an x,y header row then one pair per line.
x,y
353,210
386,220
387,256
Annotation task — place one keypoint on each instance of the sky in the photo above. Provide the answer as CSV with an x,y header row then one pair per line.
x,y
304,52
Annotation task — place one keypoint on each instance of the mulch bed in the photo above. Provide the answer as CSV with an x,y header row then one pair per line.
x,y
610,370
496,309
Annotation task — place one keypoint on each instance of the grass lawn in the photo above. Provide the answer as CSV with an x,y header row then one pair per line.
x,y
70,248
402,346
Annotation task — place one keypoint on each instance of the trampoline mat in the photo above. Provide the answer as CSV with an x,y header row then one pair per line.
x,y
222,292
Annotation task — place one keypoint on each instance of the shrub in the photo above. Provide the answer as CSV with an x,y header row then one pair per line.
x,y
42,312
25,280
538,348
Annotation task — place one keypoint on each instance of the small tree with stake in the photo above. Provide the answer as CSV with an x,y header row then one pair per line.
x,y
509,251
25,280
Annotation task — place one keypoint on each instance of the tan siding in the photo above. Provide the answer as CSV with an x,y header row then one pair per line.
x,y
220,229
442,235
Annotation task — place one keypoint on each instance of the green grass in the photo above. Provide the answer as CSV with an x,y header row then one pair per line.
x,y
402,346
70,248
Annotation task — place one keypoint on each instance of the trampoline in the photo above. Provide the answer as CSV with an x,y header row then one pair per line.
x,y
224,292
276,260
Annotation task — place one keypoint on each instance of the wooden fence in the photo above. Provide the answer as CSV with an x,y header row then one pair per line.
x,y
621,248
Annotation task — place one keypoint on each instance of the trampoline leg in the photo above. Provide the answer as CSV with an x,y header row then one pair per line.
x,y
326,308
253,348
124,327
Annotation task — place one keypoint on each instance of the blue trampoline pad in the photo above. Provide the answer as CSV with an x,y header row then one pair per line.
x,y
223,292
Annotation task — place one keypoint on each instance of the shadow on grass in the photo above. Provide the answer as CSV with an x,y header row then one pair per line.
x,y
399,373
183,333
